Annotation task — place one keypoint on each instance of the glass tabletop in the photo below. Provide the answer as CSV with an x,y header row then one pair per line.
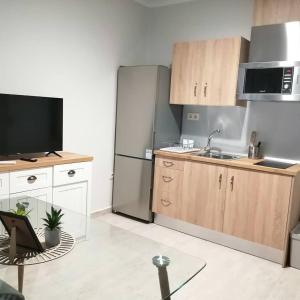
x,y
74,221
126,265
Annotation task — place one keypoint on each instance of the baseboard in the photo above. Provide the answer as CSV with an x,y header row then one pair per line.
x,y
101,212
223,239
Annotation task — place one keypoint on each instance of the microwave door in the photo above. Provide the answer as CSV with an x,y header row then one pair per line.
x,y
266,81
269,81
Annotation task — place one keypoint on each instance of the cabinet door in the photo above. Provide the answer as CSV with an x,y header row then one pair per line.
x,y
187,73
4,206
256,207
40,201
72,199
276,11
222,58
203,198
206,72
167,191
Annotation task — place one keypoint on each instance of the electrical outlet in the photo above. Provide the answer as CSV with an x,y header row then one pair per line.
x,y
193,116
190,116
196,117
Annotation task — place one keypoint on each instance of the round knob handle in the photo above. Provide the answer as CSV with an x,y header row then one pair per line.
x,y
31,179
71,173
286,86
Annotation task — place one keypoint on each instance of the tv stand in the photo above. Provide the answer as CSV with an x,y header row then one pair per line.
x,y
53,152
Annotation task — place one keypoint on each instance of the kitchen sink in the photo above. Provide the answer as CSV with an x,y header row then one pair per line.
x,y
217,155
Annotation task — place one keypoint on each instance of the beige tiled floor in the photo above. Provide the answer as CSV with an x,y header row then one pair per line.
x,y
229,274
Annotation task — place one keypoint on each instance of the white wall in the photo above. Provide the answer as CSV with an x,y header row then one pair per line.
x,y
196,20
71,49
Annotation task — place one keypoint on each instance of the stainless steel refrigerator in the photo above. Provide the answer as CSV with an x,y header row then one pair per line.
x,y
144,121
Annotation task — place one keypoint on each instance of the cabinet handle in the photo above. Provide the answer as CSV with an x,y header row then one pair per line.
x,y
205,90
195,89
220,181
165,203
231,182
71,173
167,178
31,179
168,164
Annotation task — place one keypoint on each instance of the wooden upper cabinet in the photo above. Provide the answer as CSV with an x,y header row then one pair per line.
x,y
275,11
203,195
205,72
256,206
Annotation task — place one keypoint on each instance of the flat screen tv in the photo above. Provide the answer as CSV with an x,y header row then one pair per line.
x,y
30,124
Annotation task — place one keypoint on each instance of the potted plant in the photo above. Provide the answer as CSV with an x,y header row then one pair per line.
x,y
21,209
52,227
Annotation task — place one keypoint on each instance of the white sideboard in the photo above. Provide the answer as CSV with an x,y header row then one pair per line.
x,y
67,185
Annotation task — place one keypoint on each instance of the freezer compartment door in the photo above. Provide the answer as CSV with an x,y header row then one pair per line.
x,y
132,187
137,88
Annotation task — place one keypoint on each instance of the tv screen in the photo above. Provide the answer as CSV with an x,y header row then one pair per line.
x,y
30,124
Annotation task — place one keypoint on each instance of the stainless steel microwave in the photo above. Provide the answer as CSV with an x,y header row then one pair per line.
x,y
269,81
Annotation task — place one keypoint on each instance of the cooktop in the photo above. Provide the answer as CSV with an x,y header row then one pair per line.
x,y
274,164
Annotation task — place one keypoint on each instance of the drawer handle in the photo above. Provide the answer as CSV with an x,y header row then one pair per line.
x,y
31,179
167,178
71,173
168,164
165,203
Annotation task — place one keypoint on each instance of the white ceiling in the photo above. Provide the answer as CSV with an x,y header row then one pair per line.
x,y
156,3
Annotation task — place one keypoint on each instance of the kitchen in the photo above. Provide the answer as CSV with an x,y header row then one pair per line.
x,y
211,197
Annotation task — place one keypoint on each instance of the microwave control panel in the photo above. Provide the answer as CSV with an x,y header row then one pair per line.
x,y
287,80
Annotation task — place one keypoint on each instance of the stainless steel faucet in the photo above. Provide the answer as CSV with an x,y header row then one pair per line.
x,y
210,137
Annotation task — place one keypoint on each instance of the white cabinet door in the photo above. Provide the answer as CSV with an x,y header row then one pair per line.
x,y
4,206
40,201
4,184
72,199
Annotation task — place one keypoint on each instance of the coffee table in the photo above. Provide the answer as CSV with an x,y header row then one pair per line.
x,y
37,208
109,263
25,256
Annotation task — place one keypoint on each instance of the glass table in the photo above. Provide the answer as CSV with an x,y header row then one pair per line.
x,y
112,263
74,222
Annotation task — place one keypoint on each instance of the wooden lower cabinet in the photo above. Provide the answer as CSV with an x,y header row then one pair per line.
x,y
256,206
203,195
251,205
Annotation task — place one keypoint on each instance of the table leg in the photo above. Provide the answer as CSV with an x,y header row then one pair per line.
x,y
161,262
20,278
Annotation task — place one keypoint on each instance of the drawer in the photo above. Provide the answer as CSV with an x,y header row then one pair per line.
x,y
4,184
71,173
167,179
170,163
21,181
167,191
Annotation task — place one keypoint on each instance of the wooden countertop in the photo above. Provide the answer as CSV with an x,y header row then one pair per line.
x,y
243,163
43,162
